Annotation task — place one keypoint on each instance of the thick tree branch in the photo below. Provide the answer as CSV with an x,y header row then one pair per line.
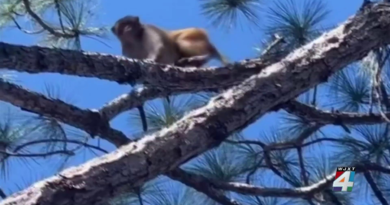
x,y
133,164
35,59
69,114
87,120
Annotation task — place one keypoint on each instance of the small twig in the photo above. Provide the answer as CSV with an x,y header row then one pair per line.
x,y
253,171
59,140
302,166
23,30
277,40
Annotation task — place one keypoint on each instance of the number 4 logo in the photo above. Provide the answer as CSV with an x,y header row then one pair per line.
x,y
344,181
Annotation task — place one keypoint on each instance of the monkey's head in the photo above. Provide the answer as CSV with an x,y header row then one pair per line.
x,y
128,29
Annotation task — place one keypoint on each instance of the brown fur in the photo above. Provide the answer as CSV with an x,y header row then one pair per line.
x,y
194,42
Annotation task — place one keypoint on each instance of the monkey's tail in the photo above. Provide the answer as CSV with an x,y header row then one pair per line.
x,y
168,100
218,55
143,118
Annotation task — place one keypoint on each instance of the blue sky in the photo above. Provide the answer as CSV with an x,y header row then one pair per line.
x,y
236,44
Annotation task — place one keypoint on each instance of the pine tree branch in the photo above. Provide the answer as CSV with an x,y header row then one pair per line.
x,y
301,192
90,121
41,141
291,144
201,184
297,143
46,154
43,24
202,129
36,59
72,115
313,114
131,100
378,193
302,166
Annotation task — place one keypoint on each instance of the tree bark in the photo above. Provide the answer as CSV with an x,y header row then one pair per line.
x,y
132,165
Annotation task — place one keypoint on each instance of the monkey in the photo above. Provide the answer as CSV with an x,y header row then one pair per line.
x,y
185,47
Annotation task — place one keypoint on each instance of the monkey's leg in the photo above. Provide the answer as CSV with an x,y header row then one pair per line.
x,y
196,61
143,118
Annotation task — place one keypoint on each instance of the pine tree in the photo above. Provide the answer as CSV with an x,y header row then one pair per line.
x,y
280,158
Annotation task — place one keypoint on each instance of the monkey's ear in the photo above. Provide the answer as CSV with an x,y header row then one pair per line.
x,y
136,19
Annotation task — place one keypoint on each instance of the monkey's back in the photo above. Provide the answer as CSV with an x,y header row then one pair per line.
x,y
154,44
157,37
192,41
188,34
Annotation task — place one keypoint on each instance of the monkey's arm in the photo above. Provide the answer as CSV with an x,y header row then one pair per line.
x,y
155,54
157,47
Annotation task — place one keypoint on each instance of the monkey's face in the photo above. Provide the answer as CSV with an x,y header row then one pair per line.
x,y
128,29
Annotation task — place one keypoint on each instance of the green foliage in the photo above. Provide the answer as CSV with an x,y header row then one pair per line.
x,y
160,113
73,17
297,21
227,13
350,91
